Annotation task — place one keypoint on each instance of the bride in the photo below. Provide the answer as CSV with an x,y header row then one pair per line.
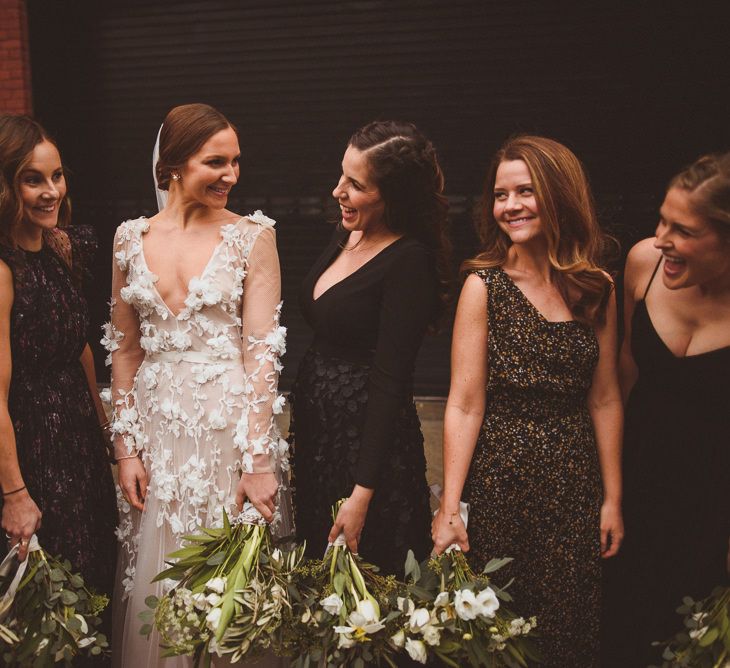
x,y
195,343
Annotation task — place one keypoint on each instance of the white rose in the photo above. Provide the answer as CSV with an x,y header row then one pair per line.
x,y
332,604
466,604
416,650
488,602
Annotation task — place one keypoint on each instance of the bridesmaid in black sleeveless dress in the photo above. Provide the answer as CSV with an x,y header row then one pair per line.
x,y
533,418
677,445
54,459
355,431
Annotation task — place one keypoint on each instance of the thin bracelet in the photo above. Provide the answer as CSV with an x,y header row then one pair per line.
x,y
105,425
451,517
15,491
127,457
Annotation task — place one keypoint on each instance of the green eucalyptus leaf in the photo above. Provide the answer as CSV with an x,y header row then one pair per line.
x,y
68,597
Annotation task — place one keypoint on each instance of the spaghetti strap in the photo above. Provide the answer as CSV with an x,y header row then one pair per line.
x,y
651,280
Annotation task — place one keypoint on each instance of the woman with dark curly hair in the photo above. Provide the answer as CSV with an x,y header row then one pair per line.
x,y
370,297
51,417
532,429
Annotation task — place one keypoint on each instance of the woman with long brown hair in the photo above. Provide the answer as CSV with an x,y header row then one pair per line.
x,y
51,418
370,297
533,420
674,373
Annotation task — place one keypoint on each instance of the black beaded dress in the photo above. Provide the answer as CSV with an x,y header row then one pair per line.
x,y
61,449
534,482
676,495
353,416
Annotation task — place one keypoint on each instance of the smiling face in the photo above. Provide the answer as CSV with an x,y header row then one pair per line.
x,y
359,198
694,253
515,206
209,174
42,187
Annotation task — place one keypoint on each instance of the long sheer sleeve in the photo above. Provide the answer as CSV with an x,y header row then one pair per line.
x,y
409,298
264,342
122,341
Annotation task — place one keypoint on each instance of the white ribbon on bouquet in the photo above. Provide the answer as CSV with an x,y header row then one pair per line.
x,y
463,513
6,601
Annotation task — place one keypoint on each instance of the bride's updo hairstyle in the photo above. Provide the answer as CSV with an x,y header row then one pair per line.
x,y
185,129
19,135
404,165
575,243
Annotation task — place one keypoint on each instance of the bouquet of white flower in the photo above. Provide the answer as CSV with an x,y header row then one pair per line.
x,y
705,640
456,616
222,574
343,612
47,614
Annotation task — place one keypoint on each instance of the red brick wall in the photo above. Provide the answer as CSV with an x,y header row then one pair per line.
x,y
15,92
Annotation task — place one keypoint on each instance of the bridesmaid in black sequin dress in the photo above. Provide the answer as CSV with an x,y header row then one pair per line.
x,y
54,470
533,420
370,298
675,378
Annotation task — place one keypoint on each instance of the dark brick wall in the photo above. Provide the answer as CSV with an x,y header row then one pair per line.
x,y
15,85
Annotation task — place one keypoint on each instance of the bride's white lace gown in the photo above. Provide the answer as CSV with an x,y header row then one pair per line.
x,y
195,394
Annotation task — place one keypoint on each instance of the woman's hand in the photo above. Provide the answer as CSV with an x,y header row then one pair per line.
x,y
447,529
21,519
261,490
351,517
612,529
133,481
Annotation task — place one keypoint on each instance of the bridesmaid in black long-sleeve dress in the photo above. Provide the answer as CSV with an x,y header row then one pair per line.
x,y
370,298
54,472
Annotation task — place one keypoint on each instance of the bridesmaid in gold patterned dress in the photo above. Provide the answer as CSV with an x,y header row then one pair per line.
x,y
532,428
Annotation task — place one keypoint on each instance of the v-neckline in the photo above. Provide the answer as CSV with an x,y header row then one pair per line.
x,y
531,305
177,315
333,256
668,349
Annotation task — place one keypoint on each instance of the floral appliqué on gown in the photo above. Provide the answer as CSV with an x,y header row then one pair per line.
x,y
199,408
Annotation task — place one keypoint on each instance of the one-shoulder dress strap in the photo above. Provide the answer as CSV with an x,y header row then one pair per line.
x,y
651,280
